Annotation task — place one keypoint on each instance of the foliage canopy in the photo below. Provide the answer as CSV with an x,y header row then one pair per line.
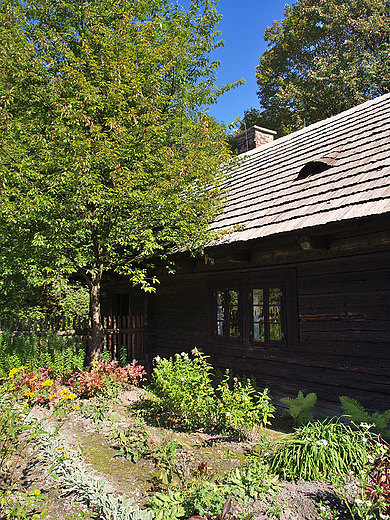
x,y
107,153
322,58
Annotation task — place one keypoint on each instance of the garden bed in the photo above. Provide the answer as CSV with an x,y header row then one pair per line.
x,y
89,444
221,453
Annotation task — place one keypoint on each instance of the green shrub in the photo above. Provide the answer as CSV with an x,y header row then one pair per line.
x,y
239,404
182,386
321,450
251,481
207,498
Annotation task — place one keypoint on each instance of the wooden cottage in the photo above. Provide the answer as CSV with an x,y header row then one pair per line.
x,y
299,294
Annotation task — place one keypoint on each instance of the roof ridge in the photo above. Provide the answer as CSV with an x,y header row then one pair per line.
x,y
323,122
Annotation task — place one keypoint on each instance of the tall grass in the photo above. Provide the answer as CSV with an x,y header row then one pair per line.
x,y
35,351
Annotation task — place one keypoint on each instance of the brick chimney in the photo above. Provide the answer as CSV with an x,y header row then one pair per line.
x,y
253,137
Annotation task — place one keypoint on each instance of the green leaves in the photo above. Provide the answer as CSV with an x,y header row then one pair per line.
x,y
107,153
355,412
299,408
323,58
321,450
182,386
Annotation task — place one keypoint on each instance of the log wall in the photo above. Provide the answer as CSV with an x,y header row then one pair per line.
x,y
342,313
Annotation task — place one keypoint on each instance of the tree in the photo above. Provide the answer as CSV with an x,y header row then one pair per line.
x,y
20,298
324,57
107,154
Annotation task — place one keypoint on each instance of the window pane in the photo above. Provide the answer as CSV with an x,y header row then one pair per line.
x,y
220,313
258,331
274,296
220,328
275,331
257,296
275,314
233,314
220,298
258,314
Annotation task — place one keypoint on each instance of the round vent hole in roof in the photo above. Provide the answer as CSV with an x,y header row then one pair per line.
x,y
311,168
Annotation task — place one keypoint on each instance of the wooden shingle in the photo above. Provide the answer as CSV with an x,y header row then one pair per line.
x,y
266,197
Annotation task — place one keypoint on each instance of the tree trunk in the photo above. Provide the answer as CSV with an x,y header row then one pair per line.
x,y
96,344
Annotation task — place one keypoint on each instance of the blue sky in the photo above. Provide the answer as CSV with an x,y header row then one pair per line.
x,y
243,25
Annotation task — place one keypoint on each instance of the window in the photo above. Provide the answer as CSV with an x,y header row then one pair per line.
x,y
267,314
255,308
227,305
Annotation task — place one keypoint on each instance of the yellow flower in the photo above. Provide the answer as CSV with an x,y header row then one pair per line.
x,y
29,394
37,492
64,392
75,407
12,373
33,378
25,405
59,448
52,396
70,396
48,382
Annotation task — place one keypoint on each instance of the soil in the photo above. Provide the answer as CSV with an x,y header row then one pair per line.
x,y
294,501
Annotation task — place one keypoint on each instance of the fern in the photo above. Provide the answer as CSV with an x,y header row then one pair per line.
x,y
39,351
299,408
355,412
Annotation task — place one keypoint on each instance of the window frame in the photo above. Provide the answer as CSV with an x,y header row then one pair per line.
x,y
226,289
265,287
244,283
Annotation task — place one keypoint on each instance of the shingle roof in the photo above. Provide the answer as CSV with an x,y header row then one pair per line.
x,y
266,198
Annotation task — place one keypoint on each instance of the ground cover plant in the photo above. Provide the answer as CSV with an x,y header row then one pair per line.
x,y
158,464
20,433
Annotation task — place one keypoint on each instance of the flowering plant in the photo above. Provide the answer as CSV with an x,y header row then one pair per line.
x,y
182,386
240,404
102,374
377,488
36,387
